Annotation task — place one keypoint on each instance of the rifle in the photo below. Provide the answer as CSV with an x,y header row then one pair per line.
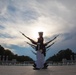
x,y
50,40
33,46
28,38
34,52
50,45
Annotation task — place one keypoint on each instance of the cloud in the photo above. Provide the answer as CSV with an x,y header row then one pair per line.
x,y
3,6
2,27
53,17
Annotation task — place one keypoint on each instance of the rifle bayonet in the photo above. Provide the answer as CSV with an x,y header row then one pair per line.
x,y
28,38
50,40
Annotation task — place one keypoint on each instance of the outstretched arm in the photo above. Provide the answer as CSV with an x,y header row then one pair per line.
x,y
50,40
34,52
50,45
29,38
33,46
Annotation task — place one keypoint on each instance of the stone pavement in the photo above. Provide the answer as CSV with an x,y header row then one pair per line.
x,y
28,70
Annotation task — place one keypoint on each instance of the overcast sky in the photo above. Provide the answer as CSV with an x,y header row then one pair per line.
x,y
53,17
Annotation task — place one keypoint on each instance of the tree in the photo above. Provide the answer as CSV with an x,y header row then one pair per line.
x,y
62,54
1,50
11,55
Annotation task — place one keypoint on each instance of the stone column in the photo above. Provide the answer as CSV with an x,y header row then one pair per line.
x,y
75,57
6,58
71,58
64,61
3,58
0,57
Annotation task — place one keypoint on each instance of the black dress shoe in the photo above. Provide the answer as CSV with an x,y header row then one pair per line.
x,y
36,68
45,67
34,65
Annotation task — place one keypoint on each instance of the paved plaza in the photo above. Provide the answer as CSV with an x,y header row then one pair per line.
x,y
28,70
